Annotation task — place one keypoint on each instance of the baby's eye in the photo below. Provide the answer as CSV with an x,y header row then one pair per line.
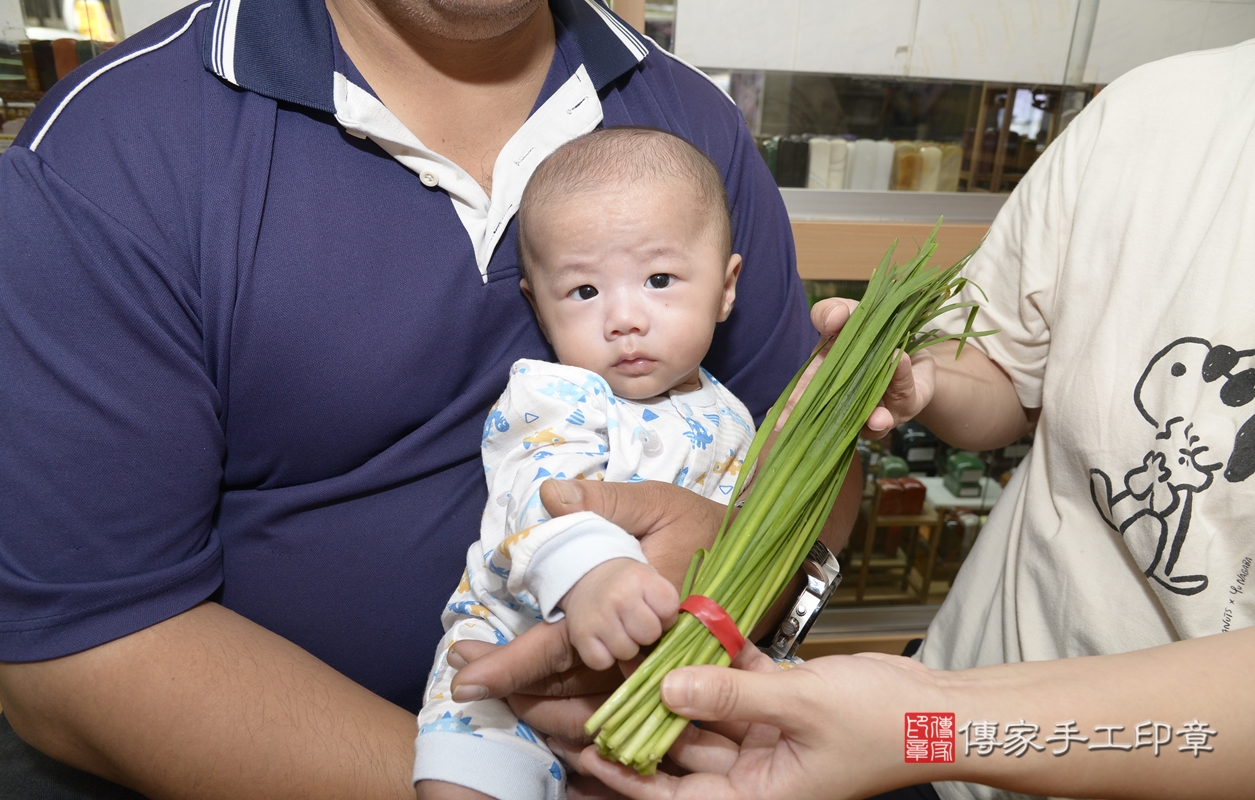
x,y
585,292
660,281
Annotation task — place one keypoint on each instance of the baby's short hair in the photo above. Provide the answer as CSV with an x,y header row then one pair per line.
x,y
625,155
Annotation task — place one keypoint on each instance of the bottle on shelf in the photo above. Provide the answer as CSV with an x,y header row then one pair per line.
x,y
930,167
835,162
908,166
818,162
838,153
884,165
791,161
951,166
861,168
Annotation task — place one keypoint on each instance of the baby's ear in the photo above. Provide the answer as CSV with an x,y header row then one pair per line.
x,y
526,289
731,273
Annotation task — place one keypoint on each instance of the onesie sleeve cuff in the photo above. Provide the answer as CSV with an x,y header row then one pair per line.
x,y
560,562
495,768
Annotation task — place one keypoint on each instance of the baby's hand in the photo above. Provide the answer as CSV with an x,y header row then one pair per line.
x,y
617,607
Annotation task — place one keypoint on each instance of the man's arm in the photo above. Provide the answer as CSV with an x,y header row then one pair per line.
x,y
208,704
820,718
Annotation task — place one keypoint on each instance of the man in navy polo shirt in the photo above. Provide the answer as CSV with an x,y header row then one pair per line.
x,y
258,289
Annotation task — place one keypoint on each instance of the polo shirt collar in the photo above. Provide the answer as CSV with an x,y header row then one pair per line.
x,y
283,49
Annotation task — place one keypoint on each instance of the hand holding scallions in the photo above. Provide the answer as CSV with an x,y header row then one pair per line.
x,y
830,728
911,387
795,483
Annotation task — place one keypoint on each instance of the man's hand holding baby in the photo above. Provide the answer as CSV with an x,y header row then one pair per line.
x,y
617,608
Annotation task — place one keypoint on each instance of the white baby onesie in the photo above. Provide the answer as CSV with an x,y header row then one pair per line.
x,y
556,421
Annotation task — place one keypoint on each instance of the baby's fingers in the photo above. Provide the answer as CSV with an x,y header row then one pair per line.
x,y
620,644
643,628
594,652
605,641
661,598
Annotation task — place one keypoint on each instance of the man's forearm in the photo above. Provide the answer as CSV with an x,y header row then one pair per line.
x,y
208,704
840,522
974,404
834,535
1172,694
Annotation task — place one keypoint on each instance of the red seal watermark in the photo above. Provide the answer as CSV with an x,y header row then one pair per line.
x,y
929,738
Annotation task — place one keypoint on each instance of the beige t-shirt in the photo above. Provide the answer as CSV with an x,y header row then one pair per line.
x,y
1121,273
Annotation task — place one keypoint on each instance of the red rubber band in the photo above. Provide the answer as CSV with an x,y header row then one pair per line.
x,y
716,620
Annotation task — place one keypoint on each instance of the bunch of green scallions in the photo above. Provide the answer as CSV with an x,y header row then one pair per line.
x,y
759,549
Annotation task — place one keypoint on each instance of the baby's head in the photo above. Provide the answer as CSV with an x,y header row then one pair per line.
x,y
626,250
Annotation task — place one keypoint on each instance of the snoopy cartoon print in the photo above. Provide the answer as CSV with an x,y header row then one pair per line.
x,y
1197,398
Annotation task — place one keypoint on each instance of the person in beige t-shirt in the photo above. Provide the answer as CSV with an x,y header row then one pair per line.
x,y
1097,641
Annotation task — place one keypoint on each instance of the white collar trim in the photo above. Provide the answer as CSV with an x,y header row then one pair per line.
x,y
573,110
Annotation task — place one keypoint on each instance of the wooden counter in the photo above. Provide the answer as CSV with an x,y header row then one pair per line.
x,y
849,251
842,235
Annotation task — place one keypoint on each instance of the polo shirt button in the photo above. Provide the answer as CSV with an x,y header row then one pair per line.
x,y
429,178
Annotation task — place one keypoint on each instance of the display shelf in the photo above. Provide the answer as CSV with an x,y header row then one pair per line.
x,y
919,529
20,96
885,577
849,205
886,629
941,498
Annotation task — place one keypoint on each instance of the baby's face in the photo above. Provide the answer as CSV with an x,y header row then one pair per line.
x,y
629,283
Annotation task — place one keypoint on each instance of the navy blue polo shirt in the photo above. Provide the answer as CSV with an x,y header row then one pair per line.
x,y
250,329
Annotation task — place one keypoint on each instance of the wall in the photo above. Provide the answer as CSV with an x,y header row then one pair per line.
x,y
1025,41
858,36
1132,32
12,23
1021,41
139,14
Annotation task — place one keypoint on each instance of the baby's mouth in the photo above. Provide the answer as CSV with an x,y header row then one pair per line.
x,y
635,364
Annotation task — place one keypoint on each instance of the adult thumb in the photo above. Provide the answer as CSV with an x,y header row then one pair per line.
x,y
722,694
639,508
533,656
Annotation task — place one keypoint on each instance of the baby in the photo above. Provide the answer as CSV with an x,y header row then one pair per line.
x,y
626,250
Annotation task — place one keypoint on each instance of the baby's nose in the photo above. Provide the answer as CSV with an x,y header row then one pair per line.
x,y
627,316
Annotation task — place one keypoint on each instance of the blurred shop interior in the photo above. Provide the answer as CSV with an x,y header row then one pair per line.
x,y
876,117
